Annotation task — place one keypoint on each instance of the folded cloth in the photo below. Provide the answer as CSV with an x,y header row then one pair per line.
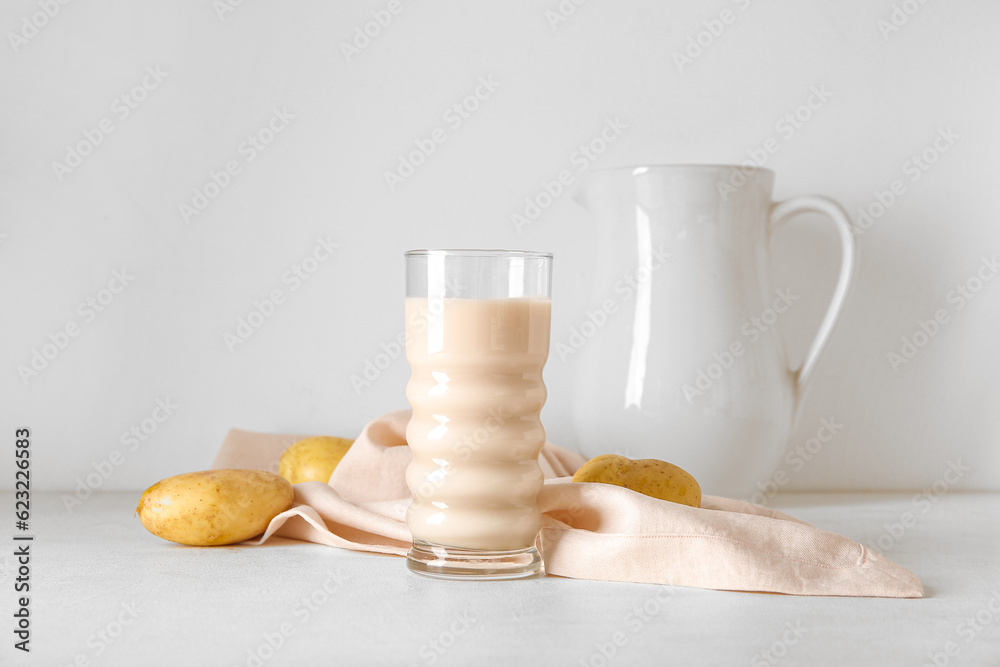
x,y
589,531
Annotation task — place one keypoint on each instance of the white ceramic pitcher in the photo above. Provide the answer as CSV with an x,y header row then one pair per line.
x,y
683,360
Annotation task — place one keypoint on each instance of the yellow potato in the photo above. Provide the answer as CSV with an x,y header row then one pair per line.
x,y
313,459
650,477
214,507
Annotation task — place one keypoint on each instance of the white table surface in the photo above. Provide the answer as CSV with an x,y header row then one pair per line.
x,y
106,592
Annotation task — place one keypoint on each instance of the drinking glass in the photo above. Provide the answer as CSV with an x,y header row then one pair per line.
x,y
477,338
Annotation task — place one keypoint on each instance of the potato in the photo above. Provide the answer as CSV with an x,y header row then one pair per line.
x,y
650,477
214,507
313,459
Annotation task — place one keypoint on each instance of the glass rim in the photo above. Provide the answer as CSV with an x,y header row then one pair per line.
x,y
473,252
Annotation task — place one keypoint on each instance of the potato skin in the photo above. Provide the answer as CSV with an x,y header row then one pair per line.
x,y
313,459
214,507
651,477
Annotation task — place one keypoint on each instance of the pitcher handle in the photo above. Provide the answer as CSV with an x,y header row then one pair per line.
x,y
782,211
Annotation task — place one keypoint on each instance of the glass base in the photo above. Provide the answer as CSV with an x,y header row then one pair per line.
x,y
441,562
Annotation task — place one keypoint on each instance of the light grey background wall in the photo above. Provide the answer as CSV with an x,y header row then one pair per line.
x,y
274,124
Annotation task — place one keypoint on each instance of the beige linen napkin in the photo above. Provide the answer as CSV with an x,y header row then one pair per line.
x,y
589,531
